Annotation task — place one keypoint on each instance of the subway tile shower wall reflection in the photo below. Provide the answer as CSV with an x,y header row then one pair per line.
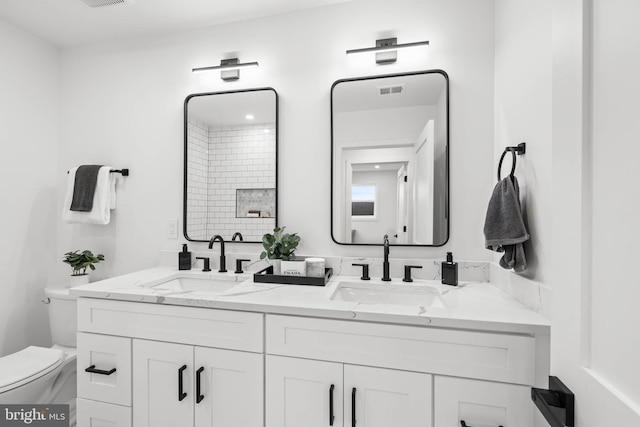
x,y
232,179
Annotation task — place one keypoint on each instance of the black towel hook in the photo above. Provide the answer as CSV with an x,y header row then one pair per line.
x,y
520,149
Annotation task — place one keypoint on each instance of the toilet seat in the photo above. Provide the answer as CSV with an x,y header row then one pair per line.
x,y
27,365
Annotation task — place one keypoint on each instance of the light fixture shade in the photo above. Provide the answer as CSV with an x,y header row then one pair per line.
x,y
229,68
387,49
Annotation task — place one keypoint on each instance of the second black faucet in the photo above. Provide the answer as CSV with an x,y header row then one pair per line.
x,y
385,264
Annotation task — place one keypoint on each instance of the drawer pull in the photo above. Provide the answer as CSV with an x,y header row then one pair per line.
x,y
353,407
181,393
199,396
331,416
463,424
93,370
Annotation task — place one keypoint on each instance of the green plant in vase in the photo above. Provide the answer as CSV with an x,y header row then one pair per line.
x,y
279,246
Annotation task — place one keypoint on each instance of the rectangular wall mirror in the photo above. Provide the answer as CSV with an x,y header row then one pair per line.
x,y
230,164
390,159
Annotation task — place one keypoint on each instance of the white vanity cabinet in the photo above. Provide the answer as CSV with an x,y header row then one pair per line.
x,y
481,403
160,365
182,385
480,377
314,393
173,366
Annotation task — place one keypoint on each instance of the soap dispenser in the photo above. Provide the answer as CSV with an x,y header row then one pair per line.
x,y
184,259
450,271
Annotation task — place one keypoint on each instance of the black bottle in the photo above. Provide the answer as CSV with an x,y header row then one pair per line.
x,y
449,271
184,259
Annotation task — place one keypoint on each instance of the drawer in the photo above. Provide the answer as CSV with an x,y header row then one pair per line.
x,y
104,353
186,325
471,354
97,414
481,403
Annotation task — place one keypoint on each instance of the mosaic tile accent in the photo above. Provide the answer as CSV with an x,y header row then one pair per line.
x,y
256,203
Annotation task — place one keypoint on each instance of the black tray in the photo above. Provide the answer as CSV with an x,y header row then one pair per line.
x,y
266,276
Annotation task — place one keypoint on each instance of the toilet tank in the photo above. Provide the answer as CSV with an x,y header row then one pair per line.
x,y
62,316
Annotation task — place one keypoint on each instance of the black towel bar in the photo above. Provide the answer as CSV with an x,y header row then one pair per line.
x,y
520,149
124,172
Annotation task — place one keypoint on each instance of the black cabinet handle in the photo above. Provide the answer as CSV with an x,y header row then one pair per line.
x,y
331,417
199,396
93,370
353,407
181,393
463,424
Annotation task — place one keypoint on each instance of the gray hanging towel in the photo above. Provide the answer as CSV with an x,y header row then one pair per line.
x,y
504,229
84,188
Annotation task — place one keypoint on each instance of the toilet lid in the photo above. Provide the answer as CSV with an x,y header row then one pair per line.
x,y
27,365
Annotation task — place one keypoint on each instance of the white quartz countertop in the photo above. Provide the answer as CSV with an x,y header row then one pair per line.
x,y
479,306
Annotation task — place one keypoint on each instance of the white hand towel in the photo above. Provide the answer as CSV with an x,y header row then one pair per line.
x,y
103,199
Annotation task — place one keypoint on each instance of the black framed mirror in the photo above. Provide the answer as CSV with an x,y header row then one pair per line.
x,y
390,159
230,164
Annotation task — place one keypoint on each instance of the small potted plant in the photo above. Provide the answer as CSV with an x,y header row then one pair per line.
x,y
279,246
79,262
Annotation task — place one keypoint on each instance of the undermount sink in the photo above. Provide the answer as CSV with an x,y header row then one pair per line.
x,y
397,294
191,284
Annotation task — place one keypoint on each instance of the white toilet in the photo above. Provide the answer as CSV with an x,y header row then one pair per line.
x,y
38,375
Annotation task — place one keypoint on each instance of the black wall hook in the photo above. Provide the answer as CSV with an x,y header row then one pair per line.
x,y
520,149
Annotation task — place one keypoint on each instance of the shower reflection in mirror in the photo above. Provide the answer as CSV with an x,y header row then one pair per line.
x,y
390,159
230,164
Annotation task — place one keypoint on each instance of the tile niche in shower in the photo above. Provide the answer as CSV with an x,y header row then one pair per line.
x,y
255,203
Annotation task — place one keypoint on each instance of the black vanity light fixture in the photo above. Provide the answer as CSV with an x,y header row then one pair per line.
x,y
229,68
387,49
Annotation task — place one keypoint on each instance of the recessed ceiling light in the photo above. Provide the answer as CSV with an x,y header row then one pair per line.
x,y
377,166
249,117
266,131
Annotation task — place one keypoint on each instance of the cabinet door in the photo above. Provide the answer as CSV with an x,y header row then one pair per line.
x,y
299,393
386,397
157,370
481,403
230,392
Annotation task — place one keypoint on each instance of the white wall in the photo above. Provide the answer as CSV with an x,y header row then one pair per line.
x,y
386,126
124,101
615,203
29,170
423,190
523,114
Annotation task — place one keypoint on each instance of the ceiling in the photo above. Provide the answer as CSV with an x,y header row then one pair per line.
x,y
232,108
67,23
364,94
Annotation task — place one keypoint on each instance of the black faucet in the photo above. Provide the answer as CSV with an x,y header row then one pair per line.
x,y
385,263
223,260
238,235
